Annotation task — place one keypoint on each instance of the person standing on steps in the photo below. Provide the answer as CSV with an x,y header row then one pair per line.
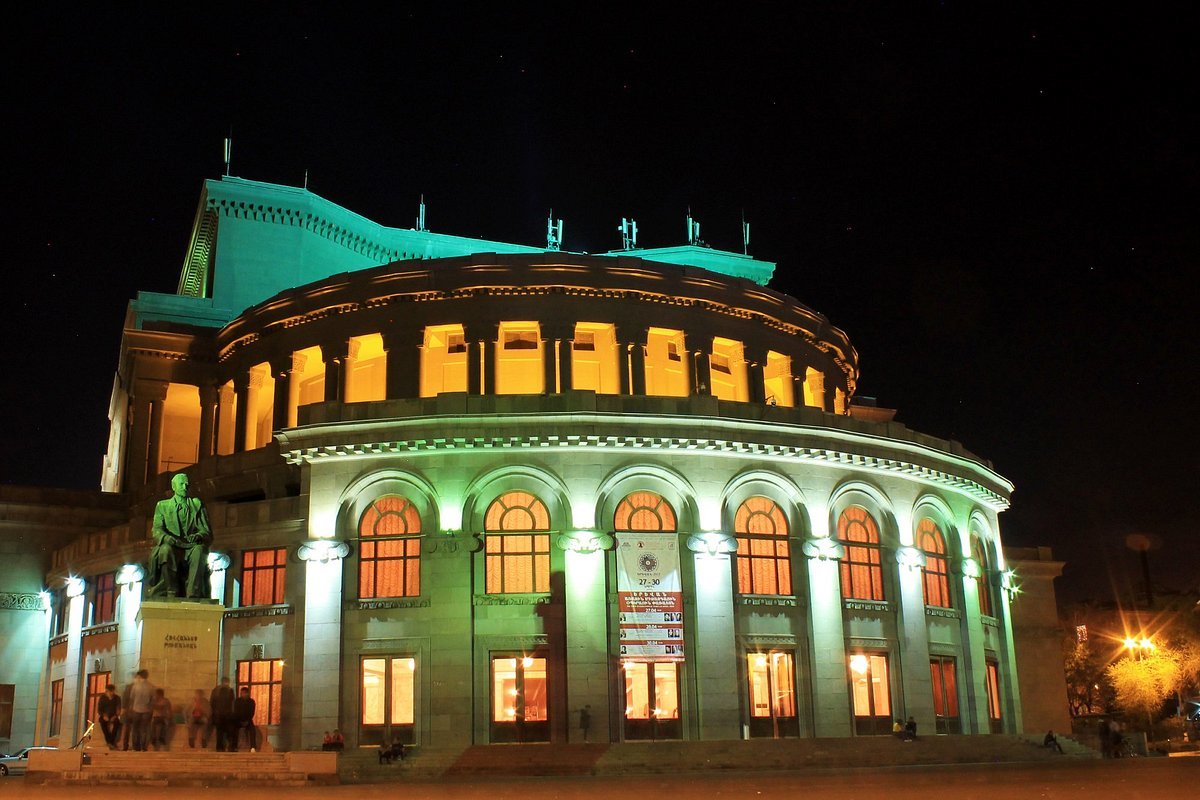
x,y
220,704
108,708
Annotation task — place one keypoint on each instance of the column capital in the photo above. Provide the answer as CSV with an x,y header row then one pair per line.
x,y
150,390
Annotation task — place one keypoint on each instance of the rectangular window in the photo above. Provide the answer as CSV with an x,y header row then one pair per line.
x,y
521,340
764,566
517,563
993,697
585,340
871,692
388,699
56,707
7,695
264,678
772,693
520,708
96,684
263,574
945,695
61,606
104,603
389,567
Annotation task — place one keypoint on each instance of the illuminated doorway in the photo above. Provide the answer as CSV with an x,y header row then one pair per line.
x,y
772,677
871,693
945,695
652,700
519,702
388,700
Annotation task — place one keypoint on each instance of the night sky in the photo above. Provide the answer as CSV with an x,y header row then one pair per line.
x,y
998,205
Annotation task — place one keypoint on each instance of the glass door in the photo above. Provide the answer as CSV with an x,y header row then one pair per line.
x,y
519,702
872,695
772,678
388,700
652,700
945,695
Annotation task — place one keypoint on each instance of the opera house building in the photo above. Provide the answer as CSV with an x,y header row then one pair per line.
x,y
469,492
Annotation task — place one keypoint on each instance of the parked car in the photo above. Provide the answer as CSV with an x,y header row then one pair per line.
x,y
18,761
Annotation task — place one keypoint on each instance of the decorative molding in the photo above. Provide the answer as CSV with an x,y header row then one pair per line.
x,y
412,447
396,602
21,601
770,641
875,606
57,640
911,557
259,611
867,643
96,630
948,613
585,542
322,550
780,601
822,548
511,600
991,621
712,543
509,642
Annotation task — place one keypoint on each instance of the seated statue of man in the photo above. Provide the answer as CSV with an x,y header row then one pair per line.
x,y
179,559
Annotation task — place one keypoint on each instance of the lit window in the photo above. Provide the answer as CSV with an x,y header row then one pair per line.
x,y
56,707
264,678
772,694
993,697
388,699
97,682
443,360
263,574
861,567
982,582
519,359
936,571
666,369
871,692
644,511
104,605
764,563
945,695
517,557
520,703
777,380
389,563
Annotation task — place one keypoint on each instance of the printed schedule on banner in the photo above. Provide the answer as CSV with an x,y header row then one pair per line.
x,y
649,596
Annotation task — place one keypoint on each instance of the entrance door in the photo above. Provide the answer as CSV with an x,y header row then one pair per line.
x,y
652,700
772,694
388,700
872,694
519,705
945,695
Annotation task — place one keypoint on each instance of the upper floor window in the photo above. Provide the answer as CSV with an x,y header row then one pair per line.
x,y
644,511
666,368
594,361
389,563
517,552
519,359
936,572
443,360
104,599
982,581
862,566
263,574
764,563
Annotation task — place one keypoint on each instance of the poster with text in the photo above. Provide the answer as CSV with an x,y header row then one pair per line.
x,y
649,597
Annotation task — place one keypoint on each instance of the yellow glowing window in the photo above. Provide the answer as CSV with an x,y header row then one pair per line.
x,y
226,418
777,380
306,384
764,562
389,692
443,360
263,575
595,363
390,549
651,690
727,371
519,690
993,693
264,678
644,511
861,567
869,684
982,583
519,359
260,404
180,440
936,573
772,684
814,388
366,369
517,556
666,369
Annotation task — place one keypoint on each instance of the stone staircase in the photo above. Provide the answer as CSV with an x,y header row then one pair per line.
x,y
191,768
421,764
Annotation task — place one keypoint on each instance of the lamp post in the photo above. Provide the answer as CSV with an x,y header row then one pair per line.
x,y
1139,647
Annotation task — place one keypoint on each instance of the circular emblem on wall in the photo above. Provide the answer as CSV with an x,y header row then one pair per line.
x,y
648,563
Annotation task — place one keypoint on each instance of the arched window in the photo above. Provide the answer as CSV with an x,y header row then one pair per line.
x,y
644,511
764,565
936,572
862,566
390,549
982,581
517,557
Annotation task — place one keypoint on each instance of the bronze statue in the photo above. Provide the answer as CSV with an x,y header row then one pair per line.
x,y
179,559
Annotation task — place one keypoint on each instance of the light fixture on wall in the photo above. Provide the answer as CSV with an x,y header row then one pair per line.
x,y
130,574
76,587
323,550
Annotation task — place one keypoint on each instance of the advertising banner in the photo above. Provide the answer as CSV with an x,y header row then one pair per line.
x,y
649,596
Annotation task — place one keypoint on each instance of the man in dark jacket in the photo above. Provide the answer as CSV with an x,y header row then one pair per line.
x,y
243,718
108,708
221,703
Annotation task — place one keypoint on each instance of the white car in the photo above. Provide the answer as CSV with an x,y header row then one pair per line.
x,y
18,761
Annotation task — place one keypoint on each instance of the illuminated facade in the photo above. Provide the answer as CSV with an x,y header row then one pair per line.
x,y
422,461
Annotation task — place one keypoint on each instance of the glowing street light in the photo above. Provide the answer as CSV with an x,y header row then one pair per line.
x,y
1139,647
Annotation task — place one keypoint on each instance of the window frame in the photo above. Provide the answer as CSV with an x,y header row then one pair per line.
x,y
251,577
935,573
849,568
56,707
270,712
404,566
983,584
510,552
104,598
8,700
751,575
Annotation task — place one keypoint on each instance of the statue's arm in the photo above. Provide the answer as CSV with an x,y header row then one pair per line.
x,y
203,529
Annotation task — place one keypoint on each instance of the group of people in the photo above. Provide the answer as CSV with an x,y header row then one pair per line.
x,y
1112,738
333,741
142,717
906,731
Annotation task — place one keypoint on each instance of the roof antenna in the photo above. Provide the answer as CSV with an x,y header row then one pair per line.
x,y
421,214
745,234
305,179
628,229
553,232
228,150
693,229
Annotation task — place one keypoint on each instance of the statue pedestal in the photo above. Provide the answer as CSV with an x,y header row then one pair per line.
x,y
181,643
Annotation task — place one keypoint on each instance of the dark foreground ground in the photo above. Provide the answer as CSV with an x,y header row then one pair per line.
x,y
1134,779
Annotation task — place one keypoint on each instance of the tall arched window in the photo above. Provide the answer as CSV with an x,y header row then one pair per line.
x,y
517,555
390,549
764,565
862,566
644,511
936,572
982,581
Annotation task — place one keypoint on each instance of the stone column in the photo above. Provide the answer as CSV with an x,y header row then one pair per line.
x,y
322,648
487,354
208,415
701,372
756,364
145,435
74,689
827,646
241,391
403,363
916,685
129,627
586,634
281,369
557,358
637,368
715,649
335,354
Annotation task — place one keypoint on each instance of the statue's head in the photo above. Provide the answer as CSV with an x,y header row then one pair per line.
x,y
179,484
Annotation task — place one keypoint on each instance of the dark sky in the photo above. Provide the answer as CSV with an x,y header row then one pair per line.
x,y
997,203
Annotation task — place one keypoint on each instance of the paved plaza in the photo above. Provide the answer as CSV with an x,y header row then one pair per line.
x,y
1138,779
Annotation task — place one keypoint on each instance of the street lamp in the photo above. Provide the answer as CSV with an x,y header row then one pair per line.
x,y
1139,647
